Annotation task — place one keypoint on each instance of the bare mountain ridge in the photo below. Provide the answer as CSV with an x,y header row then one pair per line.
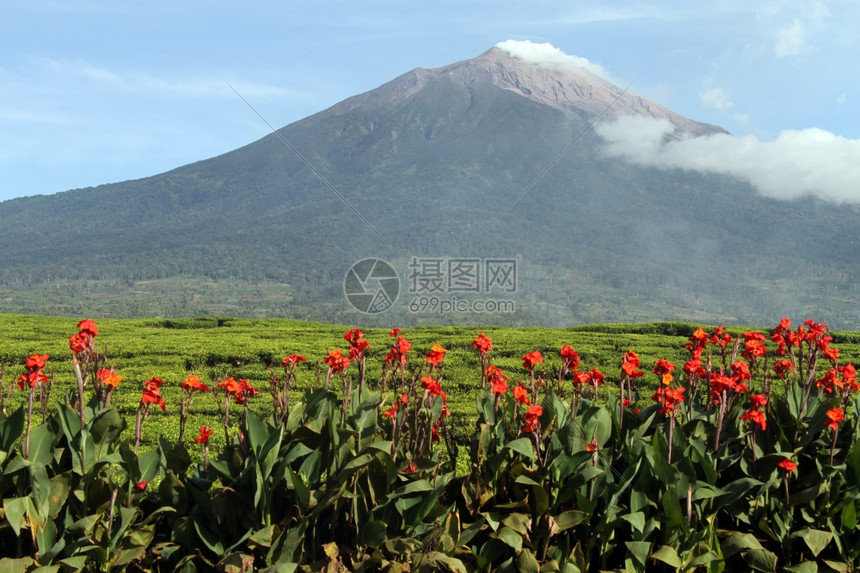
x,y
567,88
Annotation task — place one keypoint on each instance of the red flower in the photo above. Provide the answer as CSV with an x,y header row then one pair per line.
x,y
152,395
230,385
758,400
30,379
592,445
755,416
669,398
336,361
532,419
203,437
80,342
37,361
394,332
499,386
431,385
483,344
835,415
89,327
782,367
831,354
787,465
292,359
697,343
531,359
693,368
629,365
521,394
391,413
663,368
140,486
569,358
436,354
193,383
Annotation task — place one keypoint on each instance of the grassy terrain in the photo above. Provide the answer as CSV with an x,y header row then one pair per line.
x,y
216,348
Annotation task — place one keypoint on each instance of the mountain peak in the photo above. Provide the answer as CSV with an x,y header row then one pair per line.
x,y
539,73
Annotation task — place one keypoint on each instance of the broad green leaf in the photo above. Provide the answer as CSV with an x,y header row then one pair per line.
x,y
570,518
849,516
11,430
736,542
638,550
805,567
16,512
815,539
760,560
636,520
523,446
510,538
667,555
526,562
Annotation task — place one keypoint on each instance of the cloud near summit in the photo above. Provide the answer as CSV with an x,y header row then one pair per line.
x,y
548,55
796,163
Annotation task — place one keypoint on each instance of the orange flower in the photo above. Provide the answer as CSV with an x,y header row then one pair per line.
x,y
835,415
436,354
230,385
336,361
669,398
203,437
531,359
109,377
193,383
592,445
80,342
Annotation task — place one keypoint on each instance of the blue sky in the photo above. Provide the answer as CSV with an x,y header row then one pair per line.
x,y
98,92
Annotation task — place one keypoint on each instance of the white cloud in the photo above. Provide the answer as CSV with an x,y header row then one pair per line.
x,y
716,98
548,55
796,163
790,40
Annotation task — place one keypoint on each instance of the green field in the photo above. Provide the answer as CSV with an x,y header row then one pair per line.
x,y
216,348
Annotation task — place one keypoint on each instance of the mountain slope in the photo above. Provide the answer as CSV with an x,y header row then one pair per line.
x,y
458,161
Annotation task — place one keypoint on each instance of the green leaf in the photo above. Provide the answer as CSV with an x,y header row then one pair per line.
x,y
209,538
760,560
636,520
527,562
11,430
805,567
815,539
570,518
510,538
523,446
736,542
41,445
16,511
638,550
667,555
849,516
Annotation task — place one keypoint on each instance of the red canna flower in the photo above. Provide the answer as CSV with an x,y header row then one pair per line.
x,y
431,385
203,437
531,359
592,445
391,413
835,415
755,416
80,342
697,343
89,327
37,361
521,394
629,365
193,383
394,332
569,358
483,344
663,368
787,465
532,419
782,367
336,361
831,353
669,398
758,400
436,354
292,359
140,486
152,395
499,386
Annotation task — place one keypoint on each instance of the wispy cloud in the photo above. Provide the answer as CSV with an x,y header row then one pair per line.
x,y
796,163
548,55
717,98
